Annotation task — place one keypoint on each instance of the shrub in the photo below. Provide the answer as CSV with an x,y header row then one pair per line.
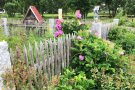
x,y
72,81
101,61
125,38
123,20
2,37
97,53
22,77
130,24
73,26
10,8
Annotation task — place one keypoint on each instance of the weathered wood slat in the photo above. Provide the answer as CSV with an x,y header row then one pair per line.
x,y
25,55
59,61
47,58
11,56
65,53
62,56
55,57
31,55
68,43
43,56
37,54
52,57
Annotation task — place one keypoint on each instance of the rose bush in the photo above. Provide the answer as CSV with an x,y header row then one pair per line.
x,y
123,37
102,61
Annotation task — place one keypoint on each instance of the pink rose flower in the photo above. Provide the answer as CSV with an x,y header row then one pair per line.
x,y
121,53
96,33
81,57
78,15
79,37
60,32
62,20
82,23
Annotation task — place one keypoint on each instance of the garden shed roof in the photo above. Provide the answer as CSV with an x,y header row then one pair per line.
x,y
32,11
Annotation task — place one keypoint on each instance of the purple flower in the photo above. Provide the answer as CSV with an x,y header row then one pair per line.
x,y
79,37
57,21
58,26
58,33
81,57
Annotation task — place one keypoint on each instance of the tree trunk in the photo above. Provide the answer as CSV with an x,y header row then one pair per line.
x,y
114,12
110,15
84,15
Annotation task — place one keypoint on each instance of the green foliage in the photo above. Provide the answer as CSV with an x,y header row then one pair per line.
x,y
73,26
98,53
125,38
120,13
2,37
123,20
115,81
23,78
72,81
11,8
53,6
130,24
130,7
103,62
84,7
113,6
72,5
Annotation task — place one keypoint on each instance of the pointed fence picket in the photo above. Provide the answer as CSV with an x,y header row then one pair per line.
x,y
50,56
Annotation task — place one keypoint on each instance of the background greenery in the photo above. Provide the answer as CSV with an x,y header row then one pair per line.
x,y
109,7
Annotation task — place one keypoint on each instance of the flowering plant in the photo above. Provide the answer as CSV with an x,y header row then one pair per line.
x,y
89,52
73,26
78,14
58,27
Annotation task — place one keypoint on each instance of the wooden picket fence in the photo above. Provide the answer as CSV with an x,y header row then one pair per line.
x,y
50,56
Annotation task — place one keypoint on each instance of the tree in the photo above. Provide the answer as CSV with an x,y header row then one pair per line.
x,y
52,6
130,7
2,2
113,6
10,8
42,7
83,6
